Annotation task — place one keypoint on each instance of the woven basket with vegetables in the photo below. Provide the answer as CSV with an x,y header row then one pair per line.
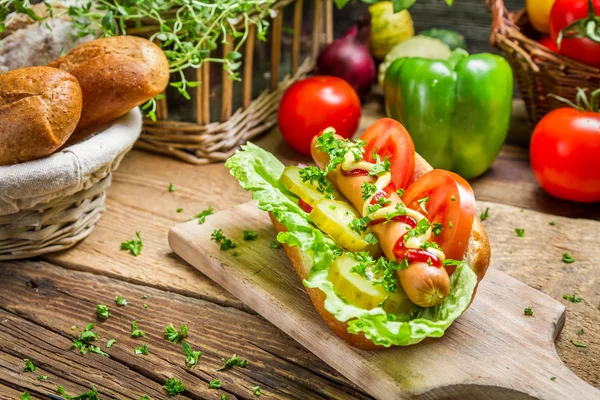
x,y
530,38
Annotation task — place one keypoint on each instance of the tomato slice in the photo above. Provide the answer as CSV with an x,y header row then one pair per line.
x,y
451,203
388,138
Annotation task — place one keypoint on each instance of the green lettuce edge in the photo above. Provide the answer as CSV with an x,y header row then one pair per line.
x,y
259,171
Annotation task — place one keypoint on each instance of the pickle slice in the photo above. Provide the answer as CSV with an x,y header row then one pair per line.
x,y
333,218
305,190
361,292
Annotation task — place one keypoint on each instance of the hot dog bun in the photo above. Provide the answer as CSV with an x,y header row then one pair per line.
x,y
477,256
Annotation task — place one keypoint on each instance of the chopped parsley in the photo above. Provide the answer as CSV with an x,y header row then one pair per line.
x,y
143,349
144,296
102,311
380,167
552,378
484,215
73,327
433,245
25,395
399,210
42,377
203,214
179,210
453,198
315,175
382,267
359,225
91,395
120,301
145,305
368,190
215,384
234,361
274,244
134,245
223,396
173,386
400,192
225,243
520,232
422,227
567,259
449,261
144,397
135,332
423,202
370,238
552,223
437,229
249,235
191,356
528,311
85,339
580,332
29,366
572,299
110,343
372,208
171,187
256,391
173,335
578,344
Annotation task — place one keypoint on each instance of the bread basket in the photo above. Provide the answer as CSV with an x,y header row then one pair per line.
x,y
538,70
51,204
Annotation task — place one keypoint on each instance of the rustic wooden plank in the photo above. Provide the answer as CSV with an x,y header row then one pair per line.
x,y
11,393
54,299
519,352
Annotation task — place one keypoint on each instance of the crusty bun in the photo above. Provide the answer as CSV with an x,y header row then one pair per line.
x,y
39,109
477,256
116,74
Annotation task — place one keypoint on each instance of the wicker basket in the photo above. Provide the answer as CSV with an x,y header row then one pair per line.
x,y
538,70
212,137
52,203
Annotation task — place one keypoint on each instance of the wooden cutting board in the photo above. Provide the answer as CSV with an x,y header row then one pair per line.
x,y
492,351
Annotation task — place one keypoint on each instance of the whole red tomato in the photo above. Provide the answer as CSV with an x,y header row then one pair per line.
x,y
316,103
565,154
565,13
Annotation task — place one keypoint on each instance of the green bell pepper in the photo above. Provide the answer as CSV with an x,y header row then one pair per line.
x,y
457,110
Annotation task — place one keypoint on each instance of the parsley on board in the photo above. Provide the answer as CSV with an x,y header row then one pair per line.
x,y
173,386
249,235
110,343
528,311
42,377
203,214
580,332
143,349
191,356
179,210
423,202
73,327
144,296
144,397
223,396
29,366
437,229
25,396
173,335
215,384
171,187
572,299
226,244
578,344
370,238
145,305
120,301
552,223
552,378
134,245
85,339
368,190
520,232
274,244
400,192
91,395
135,332
102,311
484,215
256,391
234,361
567,259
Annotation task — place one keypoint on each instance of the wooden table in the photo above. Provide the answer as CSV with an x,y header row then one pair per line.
x,y
40,300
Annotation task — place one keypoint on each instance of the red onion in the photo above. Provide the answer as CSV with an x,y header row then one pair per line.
x,y
349,58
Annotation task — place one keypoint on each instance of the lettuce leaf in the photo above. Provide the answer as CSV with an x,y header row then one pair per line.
x,y
259,171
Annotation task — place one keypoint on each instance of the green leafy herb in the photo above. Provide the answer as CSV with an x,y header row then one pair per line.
x,y
225,243
422,203
179,210
359,225
484,215
437,229
573,298
173,335
134,246
91,395
370,238
249,235
25,395
73,327
368,190
143,349
578,344
420,229
144,296
274,244
528,311
580,332
215,384
145,305
382,267
120,301
42,377
135,332
567,259
234,361
552,223
144,397
400,192
110,343
256,391
520,232
380,167
173,386
315,175
337,149
399,209
432,245
29,366
97,350
372,208
102,311
450,225
223,396
191,356
203,214
171,187
84,342
552,378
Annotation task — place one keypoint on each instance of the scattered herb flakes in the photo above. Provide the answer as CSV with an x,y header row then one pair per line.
x,y
274,244
42,377
552,223
578,344
91,395
145,397
567,259
179,210
85,339
423,203
218,236
171,187
173,335
95,349
143,349
235,253
400,192
110,343
102,311
370,238
25,396
552,378
134,246
580,332
234,361
528,311
223,396
484,215
120,301
145,305
249,235
573,298
135,332
144,296
520,232
29,366
215,384
73,327
173,386
256,391
203,214
191,356
437,229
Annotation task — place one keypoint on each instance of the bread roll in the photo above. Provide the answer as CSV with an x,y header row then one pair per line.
x,y
39,110
116,74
